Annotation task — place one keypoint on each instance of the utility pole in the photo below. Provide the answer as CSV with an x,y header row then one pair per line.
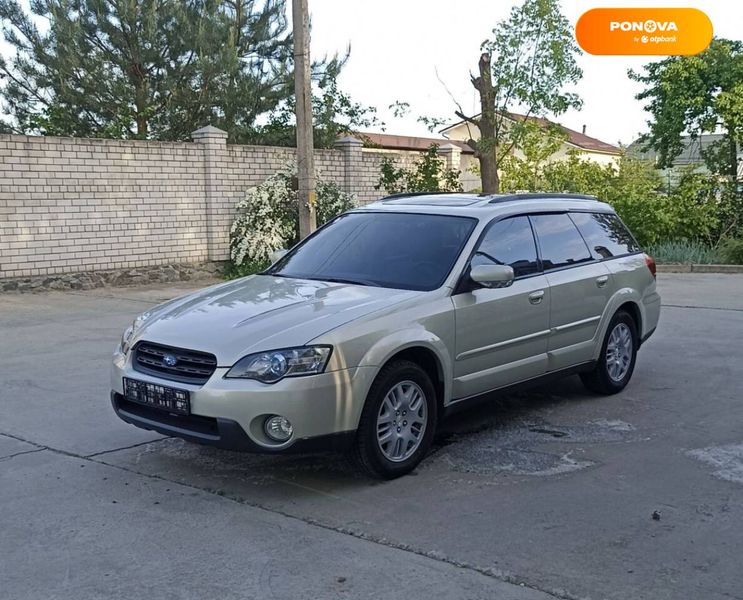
x,y
303,95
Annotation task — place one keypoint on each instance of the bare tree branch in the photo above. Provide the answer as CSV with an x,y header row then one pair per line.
x,y
460,111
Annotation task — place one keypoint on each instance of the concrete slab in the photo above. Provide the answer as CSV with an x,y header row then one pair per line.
x,y
78,529
54,365
11,447
553,487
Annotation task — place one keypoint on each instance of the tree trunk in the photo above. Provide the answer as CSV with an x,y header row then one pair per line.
x,y
486,149
142,126
489,178
141,93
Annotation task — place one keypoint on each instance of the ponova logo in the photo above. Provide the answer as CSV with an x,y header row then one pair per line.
x,y
644,26
644,31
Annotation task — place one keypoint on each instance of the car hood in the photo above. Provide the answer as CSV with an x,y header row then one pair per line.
x,y
260,312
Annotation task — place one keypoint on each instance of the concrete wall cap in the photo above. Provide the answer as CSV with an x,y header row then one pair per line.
x,y
209,132
349,140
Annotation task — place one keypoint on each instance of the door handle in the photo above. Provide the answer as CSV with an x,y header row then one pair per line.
x,y
601,281
536,297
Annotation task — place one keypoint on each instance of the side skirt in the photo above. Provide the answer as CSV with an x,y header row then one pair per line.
x,y
460,404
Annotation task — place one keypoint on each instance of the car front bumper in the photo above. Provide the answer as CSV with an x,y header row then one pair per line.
x,y
324,409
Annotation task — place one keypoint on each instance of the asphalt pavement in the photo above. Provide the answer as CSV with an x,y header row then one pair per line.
x,y
549,493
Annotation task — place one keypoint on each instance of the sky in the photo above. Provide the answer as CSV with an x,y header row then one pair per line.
x,y
398,46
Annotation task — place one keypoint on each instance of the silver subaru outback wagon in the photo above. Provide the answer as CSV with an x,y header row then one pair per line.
x,y
370,331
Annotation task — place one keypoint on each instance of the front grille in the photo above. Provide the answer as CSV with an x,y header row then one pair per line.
x,y
189,366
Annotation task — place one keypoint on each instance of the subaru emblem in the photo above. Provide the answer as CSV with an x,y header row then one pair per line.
x,y
169,360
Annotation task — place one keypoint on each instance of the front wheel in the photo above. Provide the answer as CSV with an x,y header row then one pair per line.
x,y
398,421
617,359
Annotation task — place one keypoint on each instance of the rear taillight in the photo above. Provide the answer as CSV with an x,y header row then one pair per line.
x,y
650,262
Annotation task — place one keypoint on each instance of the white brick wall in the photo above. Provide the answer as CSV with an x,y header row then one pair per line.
x,y
71,205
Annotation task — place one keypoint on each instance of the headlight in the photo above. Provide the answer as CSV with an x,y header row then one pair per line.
x,y
269,367
126,337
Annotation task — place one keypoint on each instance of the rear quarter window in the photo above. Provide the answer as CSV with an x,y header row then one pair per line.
x,y
605,234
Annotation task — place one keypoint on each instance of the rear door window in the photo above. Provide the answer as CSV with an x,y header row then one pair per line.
x,y
605,234
509,242
560,243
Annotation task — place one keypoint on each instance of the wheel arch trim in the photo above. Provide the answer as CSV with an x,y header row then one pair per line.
x,y
398,342
622,297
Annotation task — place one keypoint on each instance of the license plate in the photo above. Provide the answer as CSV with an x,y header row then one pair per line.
x,y
157,396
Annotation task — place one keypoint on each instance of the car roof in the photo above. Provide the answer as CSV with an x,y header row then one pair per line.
x,y
485,206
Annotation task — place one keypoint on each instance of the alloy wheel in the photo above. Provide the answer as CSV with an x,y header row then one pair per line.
x,y
619,352
401,422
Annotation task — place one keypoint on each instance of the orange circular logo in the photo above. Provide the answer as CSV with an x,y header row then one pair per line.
x,y
644,31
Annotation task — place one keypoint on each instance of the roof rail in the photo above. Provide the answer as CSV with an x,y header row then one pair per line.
x,y
412,194
542,196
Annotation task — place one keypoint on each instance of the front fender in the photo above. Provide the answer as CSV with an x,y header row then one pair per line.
x,y
385,348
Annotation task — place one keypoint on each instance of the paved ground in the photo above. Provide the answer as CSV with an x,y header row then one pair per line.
x,y
545,494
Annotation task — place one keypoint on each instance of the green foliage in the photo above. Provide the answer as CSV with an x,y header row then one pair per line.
x,y
695,207
732,251
156,69
335,113
428,173
267,219
695,95
698,208
534,58
632,191
529,63
686,252
523,170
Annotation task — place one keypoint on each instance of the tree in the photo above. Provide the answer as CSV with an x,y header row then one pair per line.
x,y
428,173
695,95
102,68
527,64
537,145
334,113
147,68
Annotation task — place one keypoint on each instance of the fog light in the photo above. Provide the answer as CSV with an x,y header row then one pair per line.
x,y
278,428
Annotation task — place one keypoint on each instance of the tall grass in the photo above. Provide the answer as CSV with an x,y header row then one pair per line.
x,y
686,252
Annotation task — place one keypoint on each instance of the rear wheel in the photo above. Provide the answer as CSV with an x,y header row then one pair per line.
x,y
398,421
617,359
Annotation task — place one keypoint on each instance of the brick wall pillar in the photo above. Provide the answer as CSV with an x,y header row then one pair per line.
x,y
452,155
352,163
218,213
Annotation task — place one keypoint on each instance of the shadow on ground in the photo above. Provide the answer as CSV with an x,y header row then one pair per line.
x,y
506,434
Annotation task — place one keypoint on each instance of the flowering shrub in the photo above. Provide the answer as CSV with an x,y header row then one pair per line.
x,y
267,219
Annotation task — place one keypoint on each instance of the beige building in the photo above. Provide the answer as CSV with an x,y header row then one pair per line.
x,y
589,148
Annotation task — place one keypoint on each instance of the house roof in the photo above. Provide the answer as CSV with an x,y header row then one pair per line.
x,y
576,138
691,153
406,142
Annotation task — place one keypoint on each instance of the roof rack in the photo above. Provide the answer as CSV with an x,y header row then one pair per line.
x,y
412,194
542,196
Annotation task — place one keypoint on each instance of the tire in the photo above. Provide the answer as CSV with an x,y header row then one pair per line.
x,y
615,365
400,383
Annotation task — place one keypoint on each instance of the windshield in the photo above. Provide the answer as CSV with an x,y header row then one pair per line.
x,y
395,250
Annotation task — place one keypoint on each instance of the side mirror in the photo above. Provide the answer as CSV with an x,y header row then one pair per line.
x,y
277,255
492,276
